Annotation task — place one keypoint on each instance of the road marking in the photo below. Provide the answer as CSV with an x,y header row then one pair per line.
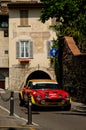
x,y
5,109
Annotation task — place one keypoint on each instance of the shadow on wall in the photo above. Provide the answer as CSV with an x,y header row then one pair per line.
x,y
12,129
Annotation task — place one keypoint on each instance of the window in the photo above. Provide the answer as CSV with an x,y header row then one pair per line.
x,y
6,52
45,86
4,24
49,46
4,21
23,17
24,49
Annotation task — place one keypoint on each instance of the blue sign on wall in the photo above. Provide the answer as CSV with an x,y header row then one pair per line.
x,y
54,52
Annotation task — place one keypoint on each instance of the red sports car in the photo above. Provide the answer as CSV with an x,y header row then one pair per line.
x,y
45,93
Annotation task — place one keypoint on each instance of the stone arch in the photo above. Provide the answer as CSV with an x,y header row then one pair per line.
x,y
41,73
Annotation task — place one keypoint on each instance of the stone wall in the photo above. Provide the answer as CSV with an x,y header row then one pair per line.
x,y
74,73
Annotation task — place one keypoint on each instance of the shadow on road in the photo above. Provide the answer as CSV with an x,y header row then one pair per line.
x,y
15,128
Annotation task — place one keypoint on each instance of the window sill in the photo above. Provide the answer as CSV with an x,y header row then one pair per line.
x,y
23,61
24,26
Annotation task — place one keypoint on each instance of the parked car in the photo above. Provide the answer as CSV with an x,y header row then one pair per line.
x,y
45,93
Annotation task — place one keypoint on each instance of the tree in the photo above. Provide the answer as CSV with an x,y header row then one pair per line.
x,y
70,18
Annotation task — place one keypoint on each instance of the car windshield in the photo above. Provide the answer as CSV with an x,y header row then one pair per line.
x,y
45,86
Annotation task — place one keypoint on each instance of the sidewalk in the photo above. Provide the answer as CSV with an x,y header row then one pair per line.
x,y
8,122
79,107
13,122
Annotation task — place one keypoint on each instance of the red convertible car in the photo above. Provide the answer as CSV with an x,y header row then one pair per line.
x,y
45,93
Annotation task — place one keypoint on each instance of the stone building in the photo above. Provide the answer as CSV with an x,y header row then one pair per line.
x,y
25,43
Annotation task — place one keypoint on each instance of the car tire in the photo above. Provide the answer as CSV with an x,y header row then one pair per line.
x,y
68,108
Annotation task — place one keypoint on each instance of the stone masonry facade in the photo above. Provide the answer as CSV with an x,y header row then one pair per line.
x,y
20,73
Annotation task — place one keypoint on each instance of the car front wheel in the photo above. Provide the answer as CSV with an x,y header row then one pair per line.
x,y
68,107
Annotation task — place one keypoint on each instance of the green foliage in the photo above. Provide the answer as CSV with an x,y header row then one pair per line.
x,y
70,15
70,21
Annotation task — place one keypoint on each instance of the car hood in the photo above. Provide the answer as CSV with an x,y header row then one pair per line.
x,y
50,92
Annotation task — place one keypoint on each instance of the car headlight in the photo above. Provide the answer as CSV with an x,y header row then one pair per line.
x,y
46,95
60,95
43,102
67,97
38,97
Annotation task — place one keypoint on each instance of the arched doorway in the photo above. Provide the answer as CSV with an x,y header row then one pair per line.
x,y
38,75
2,81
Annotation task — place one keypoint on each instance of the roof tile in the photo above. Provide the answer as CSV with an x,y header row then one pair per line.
x,y
72,45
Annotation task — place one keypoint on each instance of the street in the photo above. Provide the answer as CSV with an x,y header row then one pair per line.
x,y
49,119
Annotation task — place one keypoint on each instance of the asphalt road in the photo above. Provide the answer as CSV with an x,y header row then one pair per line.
x,y
49,119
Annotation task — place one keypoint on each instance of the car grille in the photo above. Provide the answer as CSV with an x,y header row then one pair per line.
x,y
53,100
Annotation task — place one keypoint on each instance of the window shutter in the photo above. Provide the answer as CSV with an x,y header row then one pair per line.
x,y
31,49
24,17
17,50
